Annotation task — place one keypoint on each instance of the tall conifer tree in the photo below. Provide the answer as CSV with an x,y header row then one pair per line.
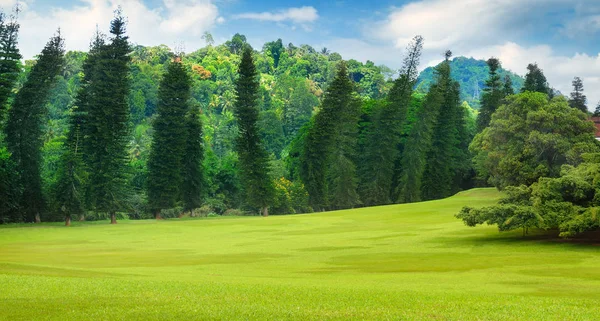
x,y
24,128
165,162
253,157
493,93
9,59
447,152
508,86
69,191
383,143
330,140
106,122
193,171
578,99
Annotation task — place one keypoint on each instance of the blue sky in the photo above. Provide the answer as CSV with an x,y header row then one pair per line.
x,y
561,35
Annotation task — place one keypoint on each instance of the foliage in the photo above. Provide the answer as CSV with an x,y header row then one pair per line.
x,y
569,203
493,94
531,137
194,183
9,59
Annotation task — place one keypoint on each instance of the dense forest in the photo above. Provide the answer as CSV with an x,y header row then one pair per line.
x,y
127,131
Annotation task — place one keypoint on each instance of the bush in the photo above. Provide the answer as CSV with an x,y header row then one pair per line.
x,y
236,212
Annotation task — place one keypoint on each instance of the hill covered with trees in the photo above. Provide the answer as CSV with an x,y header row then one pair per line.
x,y
471,74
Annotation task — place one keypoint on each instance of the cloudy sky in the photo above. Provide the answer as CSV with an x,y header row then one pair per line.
x,y
562,36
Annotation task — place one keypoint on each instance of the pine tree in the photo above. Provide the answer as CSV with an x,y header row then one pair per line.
x,y
165,162
106,123
342,178
508,86
535,81
445,155
9,59
493,93
193,171
383,141
578,99
328,143
24,128
69,191
254,160
597,111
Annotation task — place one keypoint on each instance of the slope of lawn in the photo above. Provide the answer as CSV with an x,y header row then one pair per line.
x,y
400,262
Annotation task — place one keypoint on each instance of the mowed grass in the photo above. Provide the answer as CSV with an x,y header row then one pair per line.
x,y
400,262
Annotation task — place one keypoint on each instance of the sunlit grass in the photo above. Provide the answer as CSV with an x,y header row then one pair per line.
x,y
395,262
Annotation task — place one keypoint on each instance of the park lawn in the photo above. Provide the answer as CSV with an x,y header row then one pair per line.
x,y
398,262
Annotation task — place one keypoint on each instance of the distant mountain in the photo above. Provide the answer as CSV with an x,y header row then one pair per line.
x,y
471,75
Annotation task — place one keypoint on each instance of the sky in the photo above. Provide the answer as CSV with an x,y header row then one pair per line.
x,y
562,36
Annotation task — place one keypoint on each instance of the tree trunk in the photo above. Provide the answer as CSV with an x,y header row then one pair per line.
x,y
192,213
113,218
37,218
68,220
81,217
265,211
157,215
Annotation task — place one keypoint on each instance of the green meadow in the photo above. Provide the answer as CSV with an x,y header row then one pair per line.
x,y
398,262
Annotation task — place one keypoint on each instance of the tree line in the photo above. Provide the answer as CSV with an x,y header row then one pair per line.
x,y
347,149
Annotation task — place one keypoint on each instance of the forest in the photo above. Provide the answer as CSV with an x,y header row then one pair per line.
x,y
125,131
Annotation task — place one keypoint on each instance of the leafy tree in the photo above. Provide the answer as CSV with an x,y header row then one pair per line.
x,y
165,162
236,44
24,128
274,49
493,94
568,203
107,122
271,132
531,137
10,188
254,160
193,188
535,81
578,99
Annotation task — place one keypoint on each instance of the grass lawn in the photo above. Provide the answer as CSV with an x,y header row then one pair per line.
x,y
400,262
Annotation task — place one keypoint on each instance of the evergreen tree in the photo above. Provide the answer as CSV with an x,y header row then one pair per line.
x,y
9,59
106,123
383,141
165,162
193,171
493,93
578,99
508,86
329,141
445,155
342,178
254,160
597,111
24,128
69,191
535,81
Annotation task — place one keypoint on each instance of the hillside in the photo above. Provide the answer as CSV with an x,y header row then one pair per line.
x,y
471,75
413,261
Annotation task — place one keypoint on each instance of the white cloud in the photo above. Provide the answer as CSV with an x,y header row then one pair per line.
x,y
176,20
485,28
296,15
